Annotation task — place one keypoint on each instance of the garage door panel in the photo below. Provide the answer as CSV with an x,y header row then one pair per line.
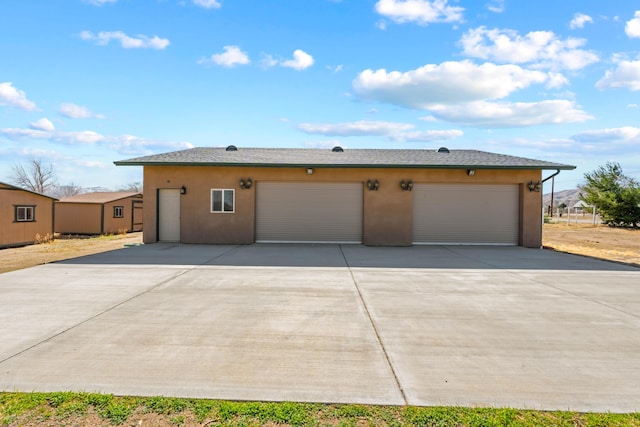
x,y
308,212
466,214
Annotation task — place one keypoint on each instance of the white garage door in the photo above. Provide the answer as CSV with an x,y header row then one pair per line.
x,y
466,214
309,212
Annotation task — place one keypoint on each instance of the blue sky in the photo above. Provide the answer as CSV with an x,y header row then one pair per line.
x,y
86,82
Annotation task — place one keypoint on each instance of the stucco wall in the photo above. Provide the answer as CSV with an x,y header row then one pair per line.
x,y
78,218
387,212
17,233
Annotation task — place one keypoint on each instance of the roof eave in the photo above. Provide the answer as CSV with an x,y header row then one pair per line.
x,y
14,188
352,166
101,202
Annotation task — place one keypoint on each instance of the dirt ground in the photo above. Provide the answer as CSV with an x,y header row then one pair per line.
x,y
599,241
61,249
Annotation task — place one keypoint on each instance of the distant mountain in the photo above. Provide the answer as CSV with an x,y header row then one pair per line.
x,y
568,197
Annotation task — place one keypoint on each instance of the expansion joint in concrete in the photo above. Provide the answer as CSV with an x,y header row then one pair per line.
x,y
375,329
115,306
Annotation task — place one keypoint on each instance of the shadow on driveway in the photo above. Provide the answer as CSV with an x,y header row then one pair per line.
x,y
334,255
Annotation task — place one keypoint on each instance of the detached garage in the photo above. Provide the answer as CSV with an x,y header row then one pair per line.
x,y
375,197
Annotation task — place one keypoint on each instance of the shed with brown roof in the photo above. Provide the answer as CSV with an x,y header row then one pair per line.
x,y
25,216
99,213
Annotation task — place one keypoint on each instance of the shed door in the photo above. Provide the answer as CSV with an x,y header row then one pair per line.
x,y
136,215
309,212
168,215
466,214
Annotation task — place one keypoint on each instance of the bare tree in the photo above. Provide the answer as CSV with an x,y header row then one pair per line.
x,y
37,177
135,186
68,190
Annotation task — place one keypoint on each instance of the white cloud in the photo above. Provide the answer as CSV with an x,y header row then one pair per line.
x,y
358,128
422,12
381,25
626,74
127,42
231,56
12,97
99,2
335,69
327,144
632,28
540,49
556,80
268,61
626,135
449,82
579,19
496,6
16,134
301,60
74,111
133,145
208,4
123,144
393,131
42,124
510,114
428,135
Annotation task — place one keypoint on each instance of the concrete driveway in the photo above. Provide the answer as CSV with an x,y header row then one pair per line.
x,y
439,325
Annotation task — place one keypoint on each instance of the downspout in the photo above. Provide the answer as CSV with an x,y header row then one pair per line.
x,y
547,179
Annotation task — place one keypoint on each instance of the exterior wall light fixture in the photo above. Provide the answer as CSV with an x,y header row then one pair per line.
x,y
406,185
471,172
183,190
373,185
534,186
246,184
309,171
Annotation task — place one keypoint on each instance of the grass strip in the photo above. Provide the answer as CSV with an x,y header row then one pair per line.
x,y
69,408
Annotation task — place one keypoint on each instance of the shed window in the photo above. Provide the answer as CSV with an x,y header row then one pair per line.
x,y
118,212
222,201
25,213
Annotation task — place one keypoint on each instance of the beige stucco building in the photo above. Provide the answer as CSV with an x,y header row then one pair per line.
x,y
374,197
99,213
23,216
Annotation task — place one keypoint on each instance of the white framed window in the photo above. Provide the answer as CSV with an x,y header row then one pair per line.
x,y
118,212
223,201
25,213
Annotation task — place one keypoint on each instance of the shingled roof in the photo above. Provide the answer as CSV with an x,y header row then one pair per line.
x,y
356,158
99,197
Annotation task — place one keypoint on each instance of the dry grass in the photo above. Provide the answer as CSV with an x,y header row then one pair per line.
x,y
61,249
599,241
